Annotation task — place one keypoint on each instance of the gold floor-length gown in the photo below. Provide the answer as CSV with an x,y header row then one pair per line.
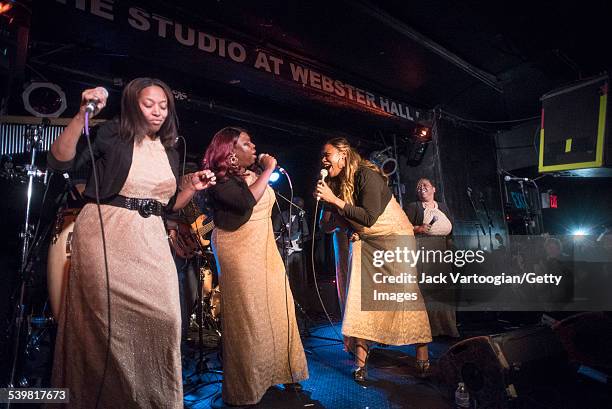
x,y
396,327
144,367
256,303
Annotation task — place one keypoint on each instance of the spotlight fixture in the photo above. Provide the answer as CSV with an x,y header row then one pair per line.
x,y
421,138
386,163
422,134
5,6
44,99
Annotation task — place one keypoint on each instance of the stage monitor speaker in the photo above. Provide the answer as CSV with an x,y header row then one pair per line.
x,y
574,127
495,368
587,338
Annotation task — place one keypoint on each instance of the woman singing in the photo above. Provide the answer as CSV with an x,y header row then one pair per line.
x,y
261,342
137,169
359,193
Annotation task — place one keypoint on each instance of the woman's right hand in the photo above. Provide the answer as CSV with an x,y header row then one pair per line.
x,y
98,94
422,229
267,161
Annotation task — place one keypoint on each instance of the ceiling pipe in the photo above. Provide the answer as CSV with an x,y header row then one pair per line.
x,y
403,28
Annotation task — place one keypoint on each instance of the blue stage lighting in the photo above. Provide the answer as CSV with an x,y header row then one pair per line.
x,y
579,232
274,177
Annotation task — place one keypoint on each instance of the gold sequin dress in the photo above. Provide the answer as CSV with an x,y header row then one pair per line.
x,y
261,341
144,366
392,327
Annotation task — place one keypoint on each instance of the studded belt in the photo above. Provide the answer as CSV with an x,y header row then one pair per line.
x,y
144,207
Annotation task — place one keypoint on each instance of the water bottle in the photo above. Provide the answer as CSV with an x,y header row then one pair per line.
x,y
462,397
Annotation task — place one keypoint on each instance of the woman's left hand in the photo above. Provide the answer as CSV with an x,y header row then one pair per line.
x,y
200,180
323,192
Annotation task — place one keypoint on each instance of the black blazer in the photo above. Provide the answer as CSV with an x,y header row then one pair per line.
x,y
113,159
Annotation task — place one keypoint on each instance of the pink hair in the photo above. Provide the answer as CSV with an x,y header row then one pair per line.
x,y
217,155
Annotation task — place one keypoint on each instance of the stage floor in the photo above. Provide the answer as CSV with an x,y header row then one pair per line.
x,y
390,370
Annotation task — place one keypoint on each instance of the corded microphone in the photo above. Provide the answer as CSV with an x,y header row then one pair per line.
x,y
261,155
324,172
92,104
433,220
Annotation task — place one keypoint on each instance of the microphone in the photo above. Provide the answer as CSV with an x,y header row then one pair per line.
x,y
433,220
324,172
509,178
92,104
261,155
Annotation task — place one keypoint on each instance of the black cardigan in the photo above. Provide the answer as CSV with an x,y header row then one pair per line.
x,y
113,156
371,197
232,203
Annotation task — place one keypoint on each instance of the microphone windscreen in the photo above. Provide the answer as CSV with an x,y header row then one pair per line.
x,y
324,172
103,91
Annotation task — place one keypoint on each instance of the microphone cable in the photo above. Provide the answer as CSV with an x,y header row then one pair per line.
x,y
314,274
108,302
284,172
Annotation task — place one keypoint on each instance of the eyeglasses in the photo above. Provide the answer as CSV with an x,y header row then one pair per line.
x,y
423,188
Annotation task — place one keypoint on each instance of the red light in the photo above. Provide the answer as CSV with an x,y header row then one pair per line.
x,y
422,133
4,7
553,201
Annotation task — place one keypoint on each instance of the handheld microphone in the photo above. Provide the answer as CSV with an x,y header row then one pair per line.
x,y
92,104
509,178
433,220
281,170
324,172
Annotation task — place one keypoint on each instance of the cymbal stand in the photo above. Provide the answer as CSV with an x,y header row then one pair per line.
x,y
33,133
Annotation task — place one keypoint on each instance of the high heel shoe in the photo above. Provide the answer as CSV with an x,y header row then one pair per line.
x,y
423,368
360,373
296,386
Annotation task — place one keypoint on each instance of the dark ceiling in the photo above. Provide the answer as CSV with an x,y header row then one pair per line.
x,y
528,47
478,60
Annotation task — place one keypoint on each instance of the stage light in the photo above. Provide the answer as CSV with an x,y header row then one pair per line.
x,y
421,137
579,232
386,163
422,134
44,99
274,177
5,6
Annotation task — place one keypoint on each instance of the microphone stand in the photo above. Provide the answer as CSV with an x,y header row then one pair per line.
x,y
284,232
301,210
469,193
33,134
486,209
527,218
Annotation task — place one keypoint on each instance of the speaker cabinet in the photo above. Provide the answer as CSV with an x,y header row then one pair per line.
x,y
495,368
574,127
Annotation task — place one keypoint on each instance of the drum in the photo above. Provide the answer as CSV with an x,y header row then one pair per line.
x,y
58,262
206,276
215,303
